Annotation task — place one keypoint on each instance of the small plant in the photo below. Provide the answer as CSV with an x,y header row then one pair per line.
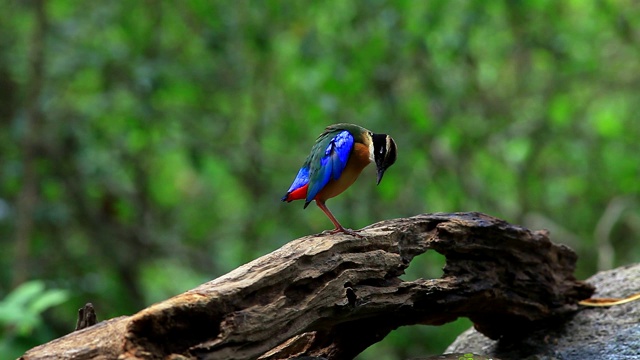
x,y
21,312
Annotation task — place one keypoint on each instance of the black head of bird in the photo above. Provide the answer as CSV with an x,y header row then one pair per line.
x,y
384,153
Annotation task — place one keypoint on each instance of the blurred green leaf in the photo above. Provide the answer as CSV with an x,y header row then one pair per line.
x,y
21,308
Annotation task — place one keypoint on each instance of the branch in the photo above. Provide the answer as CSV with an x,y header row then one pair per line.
x,y
86,317
335,295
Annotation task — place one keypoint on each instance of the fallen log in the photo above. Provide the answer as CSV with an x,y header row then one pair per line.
x,y
332,296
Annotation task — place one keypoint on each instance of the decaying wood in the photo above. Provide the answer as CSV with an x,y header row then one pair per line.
x,y
86,317
334,295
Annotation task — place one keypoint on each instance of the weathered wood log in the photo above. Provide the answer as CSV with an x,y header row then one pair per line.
x,y
86,317
332,296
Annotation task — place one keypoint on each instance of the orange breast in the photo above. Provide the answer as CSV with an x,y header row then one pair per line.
x,y
358,160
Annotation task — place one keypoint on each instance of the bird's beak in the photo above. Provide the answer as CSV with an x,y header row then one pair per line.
x,y
380,173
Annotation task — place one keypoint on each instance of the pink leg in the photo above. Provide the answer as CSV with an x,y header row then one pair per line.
x,y
335,222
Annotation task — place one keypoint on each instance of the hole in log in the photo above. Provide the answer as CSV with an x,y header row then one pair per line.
x,y
425,266
351,296
412,339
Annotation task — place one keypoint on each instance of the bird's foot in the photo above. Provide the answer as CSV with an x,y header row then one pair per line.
x,y
345,231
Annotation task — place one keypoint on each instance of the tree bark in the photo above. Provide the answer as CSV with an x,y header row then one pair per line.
x,y
332,296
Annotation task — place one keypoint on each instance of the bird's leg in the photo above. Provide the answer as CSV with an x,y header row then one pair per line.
x,y
339,228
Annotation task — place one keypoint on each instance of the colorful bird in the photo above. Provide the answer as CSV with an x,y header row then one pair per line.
x,y
339,155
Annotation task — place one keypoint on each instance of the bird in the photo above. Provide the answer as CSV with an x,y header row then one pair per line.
x,y
336,160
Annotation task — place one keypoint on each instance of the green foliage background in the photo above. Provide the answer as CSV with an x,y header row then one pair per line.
x,y
144,145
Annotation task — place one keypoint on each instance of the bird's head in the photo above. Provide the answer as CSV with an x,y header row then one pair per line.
x,y
384,153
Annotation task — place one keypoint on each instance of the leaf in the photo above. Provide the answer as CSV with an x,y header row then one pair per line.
x,y
22,307
48,299
21,295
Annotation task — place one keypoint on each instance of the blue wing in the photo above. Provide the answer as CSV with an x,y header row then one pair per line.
x,y
301,179
327,161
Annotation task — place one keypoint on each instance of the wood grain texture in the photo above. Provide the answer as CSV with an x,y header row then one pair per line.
x,y
332,296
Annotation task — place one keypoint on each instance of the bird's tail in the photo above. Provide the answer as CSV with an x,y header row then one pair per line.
x,y
297,194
